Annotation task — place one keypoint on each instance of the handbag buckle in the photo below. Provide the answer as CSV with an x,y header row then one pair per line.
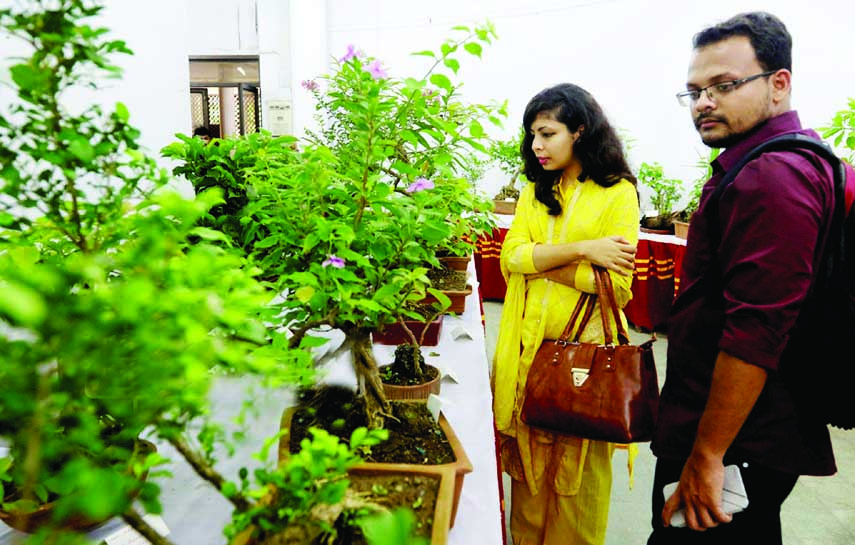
x,y
580,375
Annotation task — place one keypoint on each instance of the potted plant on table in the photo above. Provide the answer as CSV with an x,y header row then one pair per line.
x,y
356,221
665,194
684,217
506,155
111,323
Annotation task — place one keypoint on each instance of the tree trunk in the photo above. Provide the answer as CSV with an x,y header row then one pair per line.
x,y
368,377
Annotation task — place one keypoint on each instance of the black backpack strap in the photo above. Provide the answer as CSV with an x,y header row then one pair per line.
x,y
792,142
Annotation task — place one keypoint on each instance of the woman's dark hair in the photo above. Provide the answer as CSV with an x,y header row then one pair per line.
x,y
599,149
769,37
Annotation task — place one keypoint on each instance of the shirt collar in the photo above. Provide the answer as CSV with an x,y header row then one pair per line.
x,y
780,124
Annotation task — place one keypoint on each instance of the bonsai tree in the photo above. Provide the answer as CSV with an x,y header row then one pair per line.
x,y
665,194
221,165
355,222
506,155
111,323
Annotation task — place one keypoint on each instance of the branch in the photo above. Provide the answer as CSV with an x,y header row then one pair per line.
x,y
295,341
135,521
208,473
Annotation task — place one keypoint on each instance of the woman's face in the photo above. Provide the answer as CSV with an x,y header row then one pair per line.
x,y
553,142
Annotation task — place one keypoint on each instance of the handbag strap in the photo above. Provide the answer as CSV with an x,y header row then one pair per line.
x,y
582,303
608,304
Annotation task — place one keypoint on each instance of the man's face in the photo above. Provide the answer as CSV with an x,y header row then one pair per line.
x,y
724,119
204,138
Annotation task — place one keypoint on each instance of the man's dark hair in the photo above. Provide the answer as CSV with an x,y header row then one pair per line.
x,y
599,149
770,39
202,131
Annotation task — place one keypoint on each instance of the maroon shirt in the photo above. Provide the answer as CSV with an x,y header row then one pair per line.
x,y
741,293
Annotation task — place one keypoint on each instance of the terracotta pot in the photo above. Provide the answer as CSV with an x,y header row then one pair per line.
x,y
681,229
657,231
416,392
452,472
456,263
505,207
31,522
394,334
458,299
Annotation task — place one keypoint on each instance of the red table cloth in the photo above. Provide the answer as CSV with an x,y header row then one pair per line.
x,y
655,282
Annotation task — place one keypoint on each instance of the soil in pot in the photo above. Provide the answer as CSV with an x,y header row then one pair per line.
x,y
414,436
418,492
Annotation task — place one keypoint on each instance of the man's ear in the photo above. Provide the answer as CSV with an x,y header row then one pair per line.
x,y
781,82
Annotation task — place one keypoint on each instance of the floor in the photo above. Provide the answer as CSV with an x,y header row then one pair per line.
x,y
820,511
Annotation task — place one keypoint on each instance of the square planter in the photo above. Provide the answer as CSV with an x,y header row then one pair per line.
x,y
394,334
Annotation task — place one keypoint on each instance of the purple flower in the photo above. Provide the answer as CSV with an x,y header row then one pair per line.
x,y
376,70
309,84
334,261
351,52
420,184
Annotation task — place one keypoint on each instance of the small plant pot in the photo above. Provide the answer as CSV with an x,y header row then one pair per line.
x,y
394,334
456,263
458,299
415,392
505,207
681,229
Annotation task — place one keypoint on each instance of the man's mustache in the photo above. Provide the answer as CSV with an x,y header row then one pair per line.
x,y
702,118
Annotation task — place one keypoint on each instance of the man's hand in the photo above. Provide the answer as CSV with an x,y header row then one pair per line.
x,y
699,492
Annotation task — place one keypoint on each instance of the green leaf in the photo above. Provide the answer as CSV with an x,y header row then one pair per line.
x,y
29,77
441,81
82,149
454,64
475,129
122,112
210,234
425,53
23,304
474,48
357,437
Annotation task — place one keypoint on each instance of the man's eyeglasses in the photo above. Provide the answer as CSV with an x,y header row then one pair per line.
x,y
687,98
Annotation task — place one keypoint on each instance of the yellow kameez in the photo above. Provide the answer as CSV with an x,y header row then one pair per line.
x,y
538,309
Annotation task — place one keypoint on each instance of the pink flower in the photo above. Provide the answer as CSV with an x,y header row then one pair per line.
x,y
334,261
376,70
420,184
351,53
309,84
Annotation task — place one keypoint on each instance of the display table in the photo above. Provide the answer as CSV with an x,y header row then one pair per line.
x,y
656,279
195,514
488,251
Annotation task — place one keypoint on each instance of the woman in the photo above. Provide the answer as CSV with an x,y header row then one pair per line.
x,y
580,209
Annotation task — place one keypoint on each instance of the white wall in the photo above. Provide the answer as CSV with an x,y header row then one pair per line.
x,y
154,80
632,55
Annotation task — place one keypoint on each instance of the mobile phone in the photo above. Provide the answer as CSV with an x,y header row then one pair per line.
x,y
733,496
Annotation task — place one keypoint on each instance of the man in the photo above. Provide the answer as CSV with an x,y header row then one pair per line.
x,y
202,133
748,266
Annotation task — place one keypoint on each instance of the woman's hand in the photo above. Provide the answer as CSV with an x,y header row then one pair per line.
x,y
615,253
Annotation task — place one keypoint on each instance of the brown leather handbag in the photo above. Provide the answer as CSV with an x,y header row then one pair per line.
x,y
607,392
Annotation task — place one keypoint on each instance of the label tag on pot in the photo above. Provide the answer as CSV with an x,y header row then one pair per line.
x,y
128,536
434,404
